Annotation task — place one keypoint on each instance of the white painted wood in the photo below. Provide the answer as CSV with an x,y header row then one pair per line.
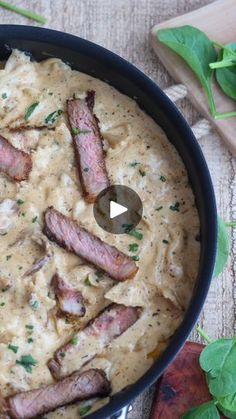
x,y
123,26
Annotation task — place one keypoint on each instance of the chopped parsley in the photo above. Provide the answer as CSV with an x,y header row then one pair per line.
x,y
87,282
165,241
77,131
136,258
30,340
62,354
84,409
134,163
4,96
27,361
162,178
35,304
34,219
142,172
13,348
20,202
8,257
52,117
75,340
2,304
158,208
29,326
5,289
175,207
128,228
30,110
133,247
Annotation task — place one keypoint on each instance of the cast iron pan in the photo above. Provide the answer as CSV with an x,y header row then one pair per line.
x,y
87,57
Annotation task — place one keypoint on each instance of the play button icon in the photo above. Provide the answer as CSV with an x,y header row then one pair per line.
x,y
118,209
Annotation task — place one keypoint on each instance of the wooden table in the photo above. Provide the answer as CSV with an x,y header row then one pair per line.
x,y
123,27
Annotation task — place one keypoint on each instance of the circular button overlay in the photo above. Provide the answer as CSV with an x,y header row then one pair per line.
x,y
118,209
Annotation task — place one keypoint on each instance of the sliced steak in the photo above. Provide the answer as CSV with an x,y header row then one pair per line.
x,y
88,146
69,299
87,343
13,162
68,234
78,386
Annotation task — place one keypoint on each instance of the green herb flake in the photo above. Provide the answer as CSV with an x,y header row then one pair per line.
x,y
158,208
29,326
52,117
75,340
84,409
5,289
162,178
35,304
30,340
2,304
34,219
99,274
128,229
62,354
27,361
30,110
165,241
8,257
78,131
135,258
13,348
134,163
175,207
87,282
142,172
133,247
4,96
20,202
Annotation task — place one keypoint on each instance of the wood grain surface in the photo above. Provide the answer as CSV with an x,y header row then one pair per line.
x,y
123,26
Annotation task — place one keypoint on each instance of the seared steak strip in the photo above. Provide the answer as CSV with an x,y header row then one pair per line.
x,y
13,162
77,387
88,146
87,343
69,299
68,234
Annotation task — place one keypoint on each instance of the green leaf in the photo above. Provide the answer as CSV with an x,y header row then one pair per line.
x,y
204,411
27,361
13,348
52,117
227,413
30,110
196,49
222,252
226,77
218,361
228,402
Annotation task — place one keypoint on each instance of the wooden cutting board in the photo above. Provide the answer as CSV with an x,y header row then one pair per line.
x,y
218,21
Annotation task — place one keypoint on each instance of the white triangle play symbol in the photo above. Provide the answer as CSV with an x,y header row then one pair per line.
x,y
116,209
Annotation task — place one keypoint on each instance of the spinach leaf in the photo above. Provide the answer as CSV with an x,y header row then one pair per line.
x,y
228,58
204,411
197,50
218,361
222,253
228,402
226,413
226,77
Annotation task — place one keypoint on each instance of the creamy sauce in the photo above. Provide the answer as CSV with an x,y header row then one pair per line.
x,y
138,155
